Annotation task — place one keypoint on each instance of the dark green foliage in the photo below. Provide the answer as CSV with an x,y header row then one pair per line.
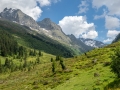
x,y
0,66
62,64
39,53
7,63
58,58
53,66
113,85
8,46
38,60
25,61
51,59
21,51
34,52
115,64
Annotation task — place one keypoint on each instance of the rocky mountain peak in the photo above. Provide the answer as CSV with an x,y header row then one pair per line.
x,y
16,15
92,43
47,20
49,25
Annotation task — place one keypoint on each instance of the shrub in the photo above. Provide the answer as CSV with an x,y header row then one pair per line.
x,y
115,64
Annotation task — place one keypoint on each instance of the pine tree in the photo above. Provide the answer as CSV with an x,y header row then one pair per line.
x,y
34,53
38,60
7,63
62,64
57,58
25,60
51,59
115,64
0,66
40,54
53,67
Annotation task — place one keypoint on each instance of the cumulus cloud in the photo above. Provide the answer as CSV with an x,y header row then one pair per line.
x,y
83,7
112,22
90,34
108,40
30,7
44,2
112,6
111,34
112,19
78,26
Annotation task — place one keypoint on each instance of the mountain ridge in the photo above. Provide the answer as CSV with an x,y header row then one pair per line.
x,y
45,27
17,16
92,43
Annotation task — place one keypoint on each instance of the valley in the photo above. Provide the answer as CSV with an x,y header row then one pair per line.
x,y
40,56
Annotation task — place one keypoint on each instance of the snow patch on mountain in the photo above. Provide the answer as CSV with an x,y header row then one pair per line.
x,y
92,43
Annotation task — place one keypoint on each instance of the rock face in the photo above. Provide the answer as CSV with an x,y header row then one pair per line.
x,y
92,43
45,27
17,16
53,30
117,38
49,25
76,42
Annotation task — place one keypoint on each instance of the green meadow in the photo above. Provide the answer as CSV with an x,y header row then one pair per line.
x,y
89,71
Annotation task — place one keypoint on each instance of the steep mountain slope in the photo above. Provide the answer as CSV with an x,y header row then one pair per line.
x,y
117,38
8,46
54,31
79,44
17,16
27,37
92,43
45,28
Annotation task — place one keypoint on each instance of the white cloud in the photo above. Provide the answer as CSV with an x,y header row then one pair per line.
x,y
112,17
78,26
111,34
113,6
30,7
44,2
90,34
112,22
83,7
107,40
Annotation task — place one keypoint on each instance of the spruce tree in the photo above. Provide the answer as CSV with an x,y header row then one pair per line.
x,y
53,67
0,66
62,64
115,64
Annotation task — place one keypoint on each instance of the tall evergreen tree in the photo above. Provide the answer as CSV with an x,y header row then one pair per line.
x,y
62,64
115,64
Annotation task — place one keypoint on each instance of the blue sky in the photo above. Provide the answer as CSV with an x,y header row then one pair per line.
x,y
95,19
86,9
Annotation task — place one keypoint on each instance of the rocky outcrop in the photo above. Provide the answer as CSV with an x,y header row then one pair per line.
x,y
17,16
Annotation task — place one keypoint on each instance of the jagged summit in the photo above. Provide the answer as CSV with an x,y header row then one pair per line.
x,y
16,15
45,27
92,43
48,24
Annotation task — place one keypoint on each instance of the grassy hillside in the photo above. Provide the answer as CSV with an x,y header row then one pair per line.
x,y
90,71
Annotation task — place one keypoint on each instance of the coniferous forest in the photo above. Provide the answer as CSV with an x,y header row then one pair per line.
x,y
8,46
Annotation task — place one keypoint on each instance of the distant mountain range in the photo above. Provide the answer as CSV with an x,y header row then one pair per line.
x,y
50,30
92,43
